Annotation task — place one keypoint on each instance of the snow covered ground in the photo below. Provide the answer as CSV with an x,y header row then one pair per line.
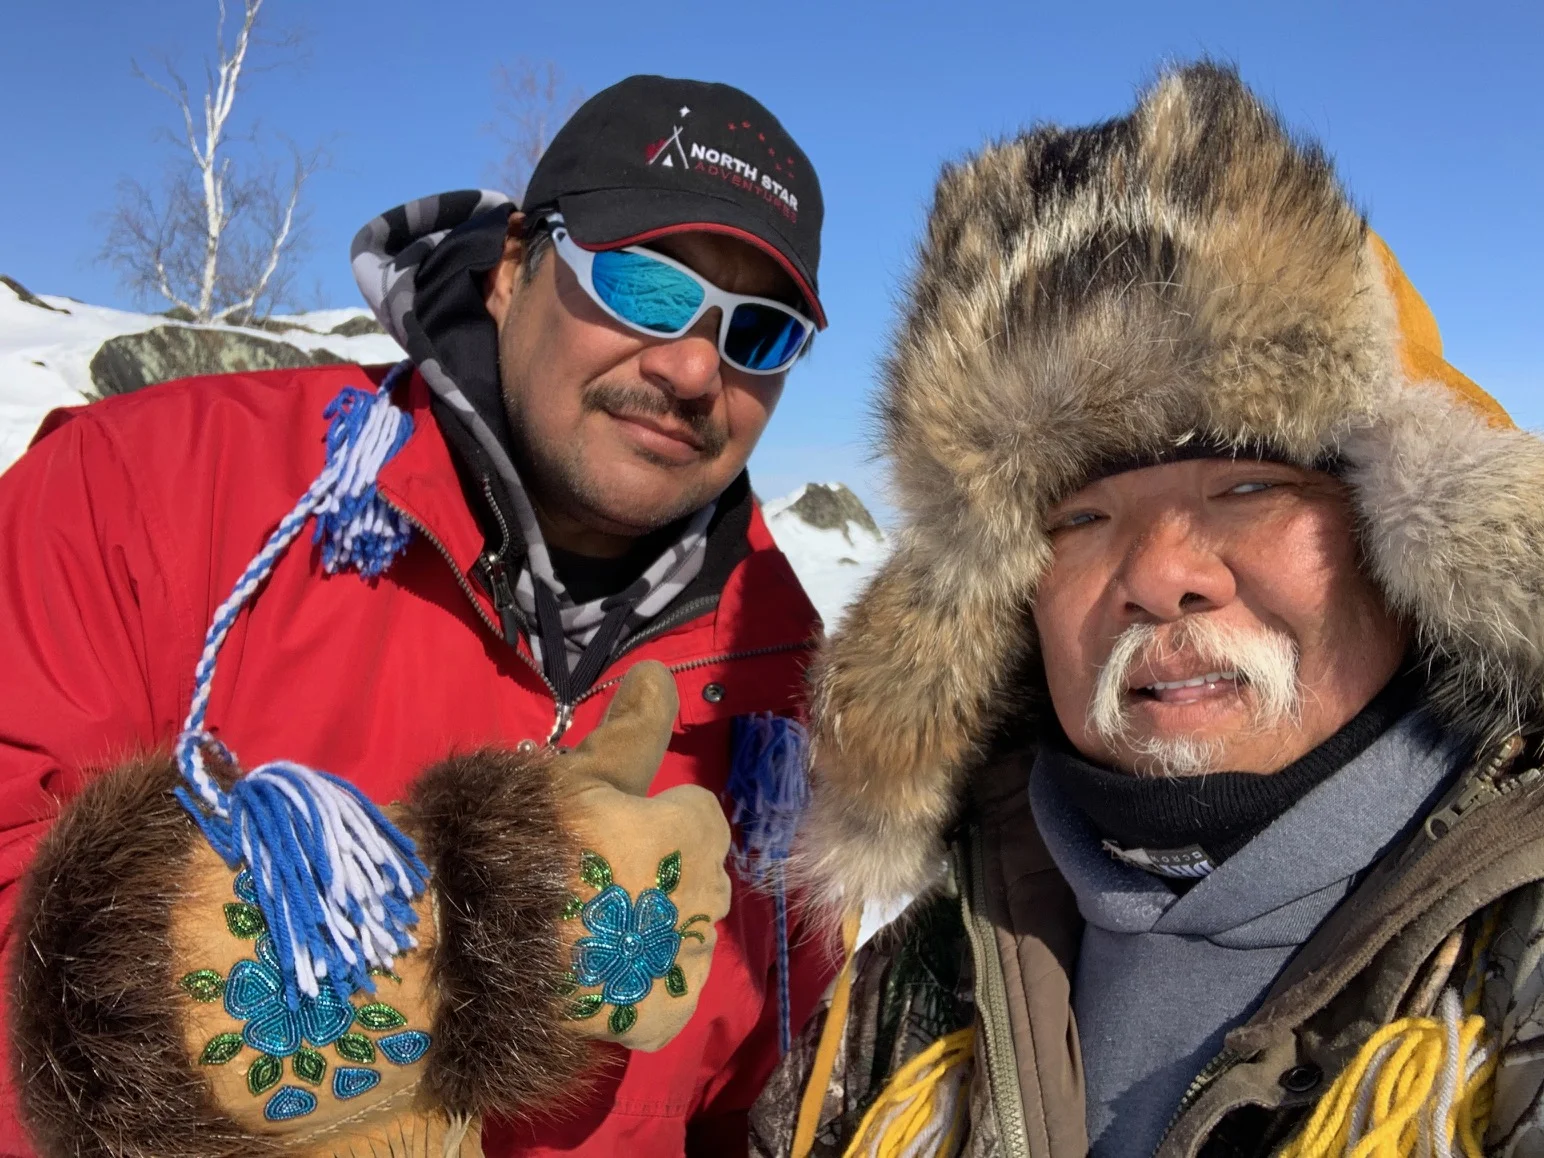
x,y
45,354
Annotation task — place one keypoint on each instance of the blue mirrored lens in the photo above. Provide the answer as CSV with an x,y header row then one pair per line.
x,y
761,338
645,292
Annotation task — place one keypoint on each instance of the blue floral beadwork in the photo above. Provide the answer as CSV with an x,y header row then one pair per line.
x,y
351,1081
403,1049
632,944
253,993
289,1102
247,891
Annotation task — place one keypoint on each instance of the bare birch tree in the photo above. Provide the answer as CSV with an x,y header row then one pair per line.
x,y
531,101
219,241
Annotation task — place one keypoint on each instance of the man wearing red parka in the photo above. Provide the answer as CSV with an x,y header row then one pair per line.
x,y
585,382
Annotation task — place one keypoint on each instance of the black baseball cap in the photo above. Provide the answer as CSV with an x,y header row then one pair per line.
x,y
652,156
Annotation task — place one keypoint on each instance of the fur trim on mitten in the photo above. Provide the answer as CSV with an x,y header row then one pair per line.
x,y
97,1051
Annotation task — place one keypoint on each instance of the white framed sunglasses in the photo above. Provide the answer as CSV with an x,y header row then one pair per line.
x,y
650,293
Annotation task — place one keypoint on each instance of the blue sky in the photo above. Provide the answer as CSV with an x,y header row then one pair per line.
x,y
1435,114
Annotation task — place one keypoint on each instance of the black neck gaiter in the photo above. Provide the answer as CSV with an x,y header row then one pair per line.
x,y
1219,812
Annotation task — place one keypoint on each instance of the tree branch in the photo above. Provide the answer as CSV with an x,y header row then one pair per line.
x,y
217,241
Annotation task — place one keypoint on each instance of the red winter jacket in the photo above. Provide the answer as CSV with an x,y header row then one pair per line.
x,y
126,525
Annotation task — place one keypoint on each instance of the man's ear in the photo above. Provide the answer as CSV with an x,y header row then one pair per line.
x,y
499,282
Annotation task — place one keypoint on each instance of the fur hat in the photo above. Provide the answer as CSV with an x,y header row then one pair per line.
x,y
1190,271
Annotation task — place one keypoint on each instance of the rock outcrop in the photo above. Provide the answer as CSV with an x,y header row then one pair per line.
x,y
130,362
832,507
357,327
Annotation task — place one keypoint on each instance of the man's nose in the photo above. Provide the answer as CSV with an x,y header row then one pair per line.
x,y
688,366
1169,571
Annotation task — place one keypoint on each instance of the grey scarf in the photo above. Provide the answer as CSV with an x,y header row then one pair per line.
x,y
1162,977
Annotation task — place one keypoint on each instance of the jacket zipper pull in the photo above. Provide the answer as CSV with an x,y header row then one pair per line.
x,y
502,588
565,717
1477,790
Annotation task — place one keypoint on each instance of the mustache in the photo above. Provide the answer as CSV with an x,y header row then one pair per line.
x,y
632,401
1265,659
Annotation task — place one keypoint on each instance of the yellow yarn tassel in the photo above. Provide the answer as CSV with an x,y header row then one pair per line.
x,y
1419,1085
908,1110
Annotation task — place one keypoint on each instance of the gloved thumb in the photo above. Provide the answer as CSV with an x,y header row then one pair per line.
x,y
626,749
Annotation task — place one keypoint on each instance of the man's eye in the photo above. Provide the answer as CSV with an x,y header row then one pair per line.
x,y
1251,488
1076,519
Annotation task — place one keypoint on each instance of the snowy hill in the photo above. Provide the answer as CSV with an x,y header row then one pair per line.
x,y
51,355
832,542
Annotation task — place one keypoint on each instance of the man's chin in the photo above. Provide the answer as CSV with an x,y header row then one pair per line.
x,y
1196,753
1176,756
635,510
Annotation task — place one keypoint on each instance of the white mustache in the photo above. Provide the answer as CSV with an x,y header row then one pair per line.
x,y
1265,659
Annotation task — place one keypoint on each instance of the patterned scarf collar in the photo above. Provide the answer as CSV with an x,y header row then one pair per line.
x,y
598,626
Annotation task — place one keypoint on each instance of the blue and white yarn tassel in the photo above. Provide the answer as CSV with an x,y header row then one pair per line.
x,y
335,879
355,528
769,787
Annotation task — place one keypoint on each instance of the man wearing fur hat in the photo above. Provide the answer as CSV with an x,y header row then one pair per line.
x,y
1200,704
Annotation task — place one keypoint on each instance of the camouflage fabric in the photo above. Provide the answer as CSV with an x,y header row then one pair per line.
x,y
912,986
914,983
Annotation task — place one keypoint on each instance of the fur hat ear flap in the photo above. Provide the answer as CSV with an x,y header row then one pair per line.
x,y
1453,533
901,697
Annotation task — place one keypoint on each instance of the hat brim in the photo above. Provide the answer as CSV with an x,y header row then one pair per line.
x,y
608,218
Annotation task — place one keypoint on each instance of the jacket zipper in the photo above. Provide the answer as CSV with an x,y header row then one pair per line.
x,y
682,614
1489,784
471,596
564,712
500,585
992,1003
1210,1072
705,661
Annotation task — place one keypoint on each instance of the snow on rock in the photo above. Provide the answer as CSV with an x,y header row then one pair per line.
x,y
831,540
47,344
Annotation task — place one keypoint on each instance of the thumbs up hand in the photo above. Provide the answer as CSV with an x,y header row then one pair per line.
x,y
650,884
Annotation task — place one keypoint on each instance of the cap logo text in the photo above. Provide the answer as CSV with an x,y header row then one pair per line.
x,y
725,166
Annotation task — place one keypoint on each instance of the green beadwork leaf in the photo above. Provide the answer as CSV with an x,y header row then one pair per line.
x,y
309,1066
572,908
379,1015
594,871
244,921
668,875
264,1074
568,983
675,982
204,985
585,1007
221,1048
686,929
377,971
622,1018
355,1047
